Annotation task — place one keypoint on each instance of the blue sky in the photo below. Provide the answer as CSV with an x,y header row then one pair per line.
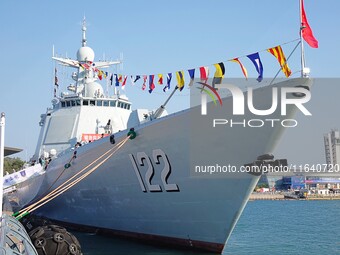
x,y
160,37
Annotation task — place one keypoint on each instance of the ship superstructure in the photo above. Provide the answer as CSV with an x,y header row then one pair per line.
x,y
84,112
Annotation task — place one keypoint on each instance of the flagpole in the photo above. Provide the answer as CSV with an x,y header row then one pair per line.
x,y
303,60
2,148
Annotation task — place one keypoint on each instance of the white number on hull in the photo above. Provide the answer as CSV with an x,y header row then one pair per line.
x,y
142,157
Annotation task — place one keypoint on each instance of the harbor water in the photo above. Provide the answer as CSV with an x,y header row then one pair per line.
x,y
265,227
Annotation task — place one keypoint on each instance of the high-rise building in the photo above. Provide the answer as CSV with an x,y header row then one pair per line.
x,y
332,147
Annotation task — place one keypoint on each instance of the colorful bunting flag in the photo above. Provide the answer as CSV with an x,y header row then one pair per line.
x,y
219,73
168,82
192,76
151,84
255,58
100,74
111,79
124,82
204,73
145,77
278,53
244,70
160,79
306,30
131,79
137,78
85,66
180,80
117,81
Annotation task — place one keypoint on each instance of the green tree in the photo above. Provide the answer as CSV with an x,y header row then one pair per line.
x,y
262,185
11,164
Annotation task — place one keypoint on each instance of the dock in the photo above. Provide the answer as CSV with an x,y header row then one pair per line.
x,y
280,196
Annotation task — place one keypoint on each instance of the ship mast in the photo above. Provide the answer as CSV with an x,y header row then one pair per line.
x,y
83,44
84,41
304,70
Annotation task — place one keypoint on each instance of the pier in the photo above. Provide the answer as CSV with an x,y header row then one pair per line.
x,y
280,196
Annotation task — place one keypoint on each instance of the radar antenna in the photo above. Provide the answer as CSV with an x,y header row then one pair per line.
x,y
83,42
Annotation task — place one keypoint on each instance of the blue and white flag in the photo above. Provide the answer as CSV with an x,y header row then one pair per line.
x,y
168,81
192,76
255,58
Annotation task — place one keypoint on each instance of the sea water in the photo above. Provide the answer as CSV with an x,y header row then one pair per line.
x,y
265,227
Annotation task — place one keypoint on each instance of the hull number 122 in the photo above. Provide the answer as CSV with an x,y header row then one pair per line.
x,y
143,160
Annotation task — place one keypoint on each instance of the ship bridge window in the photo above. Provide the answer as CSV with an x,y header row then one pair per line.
x,y
63,104
99,103
92,102
112,103
106,103
68,103
122,105
86,102
78,103
73,103
128,107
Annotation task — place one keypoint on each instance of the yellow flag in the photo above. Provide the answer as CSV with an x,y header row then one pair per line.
x,y
278,53
219,74
180,80
220,70
160,79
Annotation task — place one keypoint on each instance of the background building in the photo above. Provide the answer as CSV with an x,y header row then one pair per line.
x,y
332,147
298,180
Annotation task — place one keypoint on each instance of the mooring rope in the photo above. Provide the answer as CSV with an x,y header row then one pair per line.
x,y
66,166
74,176
71,182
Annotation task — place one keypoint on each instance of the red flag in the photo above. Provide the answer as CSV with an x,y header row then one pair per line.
x,y
204,71
124,82
306,31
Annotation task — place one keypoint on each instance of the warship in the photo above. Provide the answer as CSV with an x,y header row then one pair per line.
x,y
102,165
